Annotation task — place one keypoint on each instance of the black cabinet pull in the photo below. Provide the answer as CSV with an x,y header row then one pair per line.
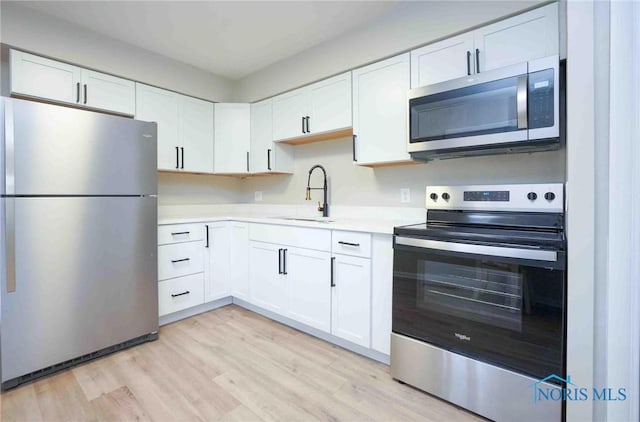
x,y
308,130
174,261
468,62
78,92
85,93
284,261
354,148
207,227
177,157
280,261
333,260
181,294
348,243
247,161
303,124
477,60
182,150
177,233
268,159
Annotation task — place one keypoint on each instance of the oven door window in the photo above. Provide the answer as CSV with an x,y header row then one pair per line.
x,y
497,310
486,108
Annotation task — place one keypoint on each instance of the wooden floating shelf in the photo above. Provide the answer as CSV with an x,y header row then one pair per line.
x,y
320,137
395,164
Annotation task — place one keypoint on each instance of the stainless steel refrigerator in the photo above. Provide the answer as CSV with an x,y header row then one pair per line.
x,y
78,237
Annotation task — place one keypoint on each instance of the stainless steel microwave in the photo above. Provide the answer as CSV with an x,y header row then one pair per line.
x,y
512,109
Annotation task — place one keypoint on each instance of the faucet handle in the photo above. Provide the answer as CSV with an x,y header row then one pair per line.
x,y
320,207
308,195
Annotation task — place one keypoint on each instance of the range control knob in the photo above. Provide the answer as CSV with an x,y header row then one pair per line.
x,y
549,196
532,196
433,196
446,196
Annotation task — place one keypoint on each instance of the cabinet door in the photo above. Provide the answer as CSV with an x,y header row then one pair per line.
x,y
160,106
106,92
309,285
239,260
329,104
35,76
196,134
528,36
441,61
288,111
351,299
262,157
267,287
217,270
380,111
381,291
232,139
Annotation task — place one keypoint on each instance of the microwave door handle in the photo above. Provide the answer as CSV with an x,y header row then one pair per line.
x,y
532,254
521,99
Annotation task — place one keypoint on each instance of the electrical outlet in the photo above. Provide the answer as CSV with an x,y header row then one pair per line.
x,y
405,195
257,196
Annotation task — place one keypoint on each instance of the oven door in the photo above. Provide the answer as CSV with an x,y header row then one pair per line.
x,y
501,305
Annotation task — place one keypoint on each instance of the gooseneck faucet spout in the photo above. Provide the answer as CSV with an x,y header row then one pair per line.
x,y
325,206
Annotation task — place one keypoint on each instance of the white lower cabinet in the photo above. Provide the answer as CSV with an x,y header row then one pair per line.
x,y
267,282
180,293
178,259
217,260
239,260
351,299
381,292
308,275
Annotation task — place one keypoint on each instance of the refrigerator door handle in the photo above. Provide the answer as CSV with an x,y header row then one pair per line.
x,y
9,203
10,244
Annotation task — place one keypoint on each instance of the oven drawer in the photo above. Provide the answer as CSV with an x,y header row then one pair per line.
x,y
177,233
351,243
180,293
180,259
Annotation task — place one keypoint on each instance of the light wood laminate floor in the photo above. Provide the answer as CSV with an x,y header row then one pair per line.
x,y
226,365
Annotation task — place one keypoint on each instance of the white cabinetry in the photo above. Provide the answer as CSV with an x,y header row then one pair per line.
x,y
217,261
267,156
351,299
518,39
232,137
381,292
239,259
380,111
39,77
321,107
185,128
267,283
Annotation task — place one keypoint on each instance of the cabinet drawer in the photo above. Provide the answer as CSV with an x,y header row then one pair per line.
x,y
180,259
302,237
351,243
180,293
176,233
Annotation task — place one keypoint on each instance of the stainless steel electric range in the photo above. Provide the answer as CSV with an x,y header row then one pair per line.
x,y
479,303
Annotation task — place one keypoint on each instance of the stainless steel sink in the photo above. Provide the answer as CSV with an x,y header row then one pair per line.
x,y
311,219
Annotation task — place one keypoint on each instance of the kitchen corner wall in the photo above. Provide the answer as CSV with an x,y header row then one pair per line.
x,y
350,184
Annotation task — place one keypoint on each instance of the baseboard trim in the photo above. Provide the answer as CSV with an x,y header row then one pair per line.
x,y
186,313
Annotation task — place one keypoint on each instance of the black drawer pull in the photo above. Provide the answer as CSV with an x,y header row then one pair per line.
x,y
348,243
181,294
173,261
177,233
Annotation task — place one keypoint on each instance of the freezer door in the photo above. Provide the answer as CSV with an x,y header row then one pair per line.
x,y
53,150
85,278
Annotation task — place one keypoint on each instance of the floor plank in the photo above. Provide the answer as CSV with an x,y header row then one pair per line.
x,y
226,365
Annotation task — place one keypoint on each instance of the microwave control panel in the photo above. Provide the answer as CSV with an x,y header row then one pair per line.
x,y
540,103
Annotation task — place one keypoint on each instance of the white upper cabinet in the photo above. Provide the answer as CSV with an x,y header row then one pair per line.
x,y
161,106
329,104
232,139
106,92
518,39
38,77
448,59
195,134
380,111
267,156
324,106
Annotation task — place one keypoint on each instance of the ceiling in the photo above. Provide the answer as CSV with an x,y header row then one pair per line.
x,y
228,38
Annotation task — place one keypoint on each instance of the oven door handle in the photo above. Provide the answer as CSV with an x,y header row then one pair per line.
x,y
532,254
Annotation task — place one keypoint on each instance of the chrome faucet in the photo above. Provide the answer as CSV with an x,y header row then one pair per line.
x,y
324,208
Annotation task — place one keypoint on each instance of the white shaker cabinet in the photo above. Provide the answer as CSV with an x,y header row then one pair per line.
x,y
441,61
239,259
289,112
380,112
267,156
232,138
217,261
195,119
106,92
267,283
161,106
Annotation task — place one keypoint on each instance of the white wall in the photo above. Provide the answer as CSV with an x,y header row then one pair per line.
x,y
414,24
192,189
